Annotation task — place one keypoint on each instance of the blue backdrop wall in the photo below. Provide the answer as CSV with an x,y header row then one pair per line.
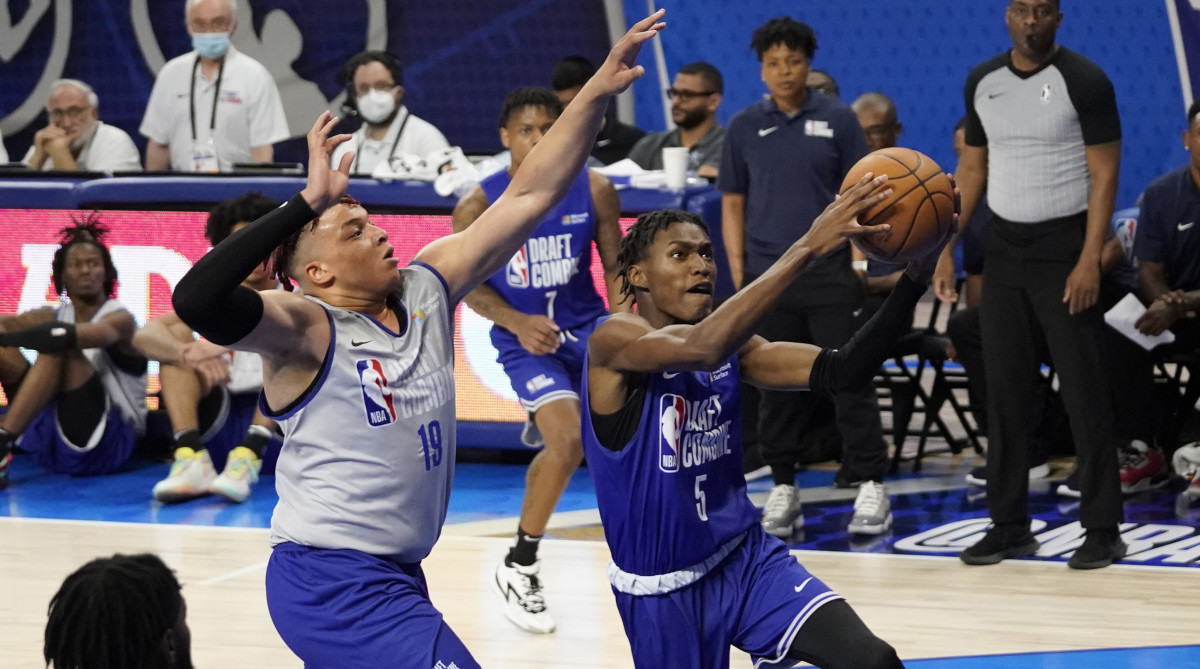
x,y
463,55
919,52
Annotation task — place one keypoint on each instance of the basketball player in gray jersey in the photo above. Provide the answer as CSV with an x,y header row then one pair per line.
x,y
358,373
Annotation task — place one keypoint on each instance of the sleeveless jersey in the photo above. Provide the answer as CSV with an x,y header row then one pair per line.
x,y
676,493
368,450
551,274
126,391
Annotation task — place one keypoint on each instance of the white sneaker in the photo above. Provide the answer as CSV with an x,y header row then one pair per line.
x,y
522,592
782,514
241,471
191,476
872,510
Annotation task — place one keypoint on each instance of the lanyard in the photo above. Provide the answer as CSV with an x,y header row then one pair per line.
x,y
391,152
212,125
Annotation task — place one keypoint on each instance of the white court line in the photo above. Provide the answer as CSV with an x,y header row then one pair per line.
x,y
233,574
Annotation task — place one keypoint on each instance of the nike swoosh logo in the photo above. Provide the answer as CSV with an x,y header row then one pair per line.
x,y
801,586
1186,226
766,131
359,343
670,375
993,96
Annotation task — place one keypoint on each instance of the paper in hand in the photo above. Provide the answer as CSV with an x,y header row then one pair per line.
x,y
1125,313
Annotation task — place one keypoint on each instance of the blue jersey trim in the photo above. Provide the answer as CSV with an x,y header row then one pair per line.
x,y
310,392
403,320
442,279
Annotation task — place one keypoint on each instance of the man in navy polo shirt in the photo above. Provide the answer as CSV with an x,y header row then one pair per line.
x,y
784,160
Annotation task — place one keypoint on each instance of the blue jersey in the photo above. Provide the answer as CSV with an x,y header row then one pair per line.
x,y
551,273
675,494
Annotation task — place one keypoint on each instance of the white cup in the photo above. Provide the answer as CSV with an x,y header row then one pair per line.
x,y
675,162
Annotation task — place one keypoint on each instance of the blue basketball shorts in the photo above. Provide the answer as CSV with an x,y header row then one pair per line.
x,y
228,427
541,379
347,609
108,448
756,599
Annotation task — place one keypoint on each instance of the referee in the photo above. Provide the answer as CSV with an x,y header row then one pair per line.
x,y
1043,136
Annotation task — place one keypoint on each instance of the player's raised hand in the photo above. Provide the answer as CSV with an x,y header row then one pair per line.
x,y
620,69
325,184
839,221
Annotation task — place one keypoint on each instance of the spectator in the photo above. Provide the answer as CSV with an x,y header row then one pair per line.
x,y
374,82
1052,194
120,611
695,96
81,406
209,391
76,138
541,328
823,82
214,106
877,116
784,159
616,139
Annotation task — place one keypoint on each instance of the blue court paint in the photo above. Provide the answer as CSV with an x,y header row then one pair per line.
x,y
1120,658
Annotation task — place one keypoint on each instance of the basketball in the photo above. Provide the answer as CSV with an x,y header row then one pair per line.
x,y
920,208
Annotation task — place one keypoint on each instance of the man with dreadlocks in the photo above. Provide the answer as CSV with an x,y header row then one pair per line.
x,y
693,570
119,612
359,374
81,406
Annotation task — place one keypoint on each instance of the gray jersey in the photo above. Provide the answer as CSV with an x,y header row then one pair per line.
x,y
368,451
125,390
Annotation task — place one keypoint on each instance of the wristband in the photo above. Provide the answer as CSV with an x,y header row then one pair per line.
x,y
858,265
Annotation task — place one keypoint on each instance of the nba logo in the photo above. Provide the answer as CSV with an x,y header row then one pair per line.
x,y
377,397
670,421
518,269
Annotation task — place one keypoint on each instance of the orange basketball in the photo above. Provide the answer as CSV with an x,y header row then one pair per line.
x,y
920,208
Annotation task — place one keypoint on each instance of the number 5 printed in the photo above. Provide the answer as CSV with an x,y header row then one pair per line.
x,y
701,502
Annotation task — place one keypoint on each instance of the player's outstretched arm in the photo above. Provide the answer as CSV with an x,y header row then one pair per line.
x,y
56,336
211,298
629,344
465,259
789,366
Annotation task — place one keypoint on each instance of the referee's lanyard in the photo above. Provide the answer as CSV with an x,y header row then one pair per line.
x,y
362,143
204,154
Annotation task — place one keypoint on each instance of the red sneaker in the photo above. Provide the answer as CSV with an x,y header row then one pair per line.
x,y
1143,467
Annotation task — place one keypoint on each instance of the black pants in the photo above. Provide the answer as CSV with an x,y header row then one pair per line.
x,y
819,308
1024,278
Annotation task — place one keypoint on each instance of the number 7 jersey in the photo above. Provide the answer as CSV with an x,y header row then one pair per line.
x,y
368,451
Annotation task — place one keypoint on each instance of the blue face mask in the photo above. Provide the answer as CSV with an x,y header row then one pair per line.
x,y
211,45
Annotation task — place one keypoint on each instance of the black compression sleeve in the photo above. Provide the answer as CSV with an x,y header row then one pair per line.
x,y
210,297
51,337
853,366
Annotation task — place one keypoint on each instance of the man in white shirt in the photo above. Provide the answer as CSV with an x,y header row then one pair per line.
x,y
374,89
76,138
213,106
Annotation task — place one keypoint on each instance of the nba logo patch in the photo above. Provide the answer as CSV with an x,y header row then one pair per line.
x,y
670,421
377,397
517,272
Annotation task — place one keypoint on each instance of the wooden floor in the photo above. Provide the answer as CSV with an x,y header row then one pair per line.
x,y
924,606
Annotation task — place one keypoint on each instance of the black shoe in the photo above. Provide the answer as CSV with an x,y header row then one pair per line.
x,y
1010,540
1100,548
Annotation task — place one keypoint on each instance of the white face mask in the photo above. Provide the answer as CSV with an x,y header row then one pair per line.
x,y
376,106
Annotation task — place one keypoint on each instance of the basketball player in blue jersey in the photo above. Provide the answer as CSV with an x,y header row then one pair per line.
x,y
80,407
693,570
543,305
359,375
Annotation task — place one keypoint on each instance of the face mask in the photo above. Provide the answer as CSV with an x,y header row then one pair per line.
x,y
376,106
211,45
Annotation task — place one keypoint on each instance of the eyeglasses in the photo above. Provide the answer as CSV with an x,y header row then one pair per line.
x,y
218,25
687,95
363,89
70,112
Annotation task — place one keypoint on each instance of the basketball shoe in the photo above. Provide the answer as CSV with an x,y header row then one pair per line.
x,y
241,472
191,476
782,515
872,510
1007,540
521,589
978,475
1143,467
1100,548
1186,463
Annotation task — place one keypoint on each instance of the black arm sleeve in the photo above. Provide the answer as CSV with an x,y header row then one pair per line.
x,y
854,365
210,297
51,337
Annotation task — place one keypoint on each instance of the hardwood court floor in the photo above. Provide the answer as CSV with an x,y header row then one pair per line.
x,y
925,606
